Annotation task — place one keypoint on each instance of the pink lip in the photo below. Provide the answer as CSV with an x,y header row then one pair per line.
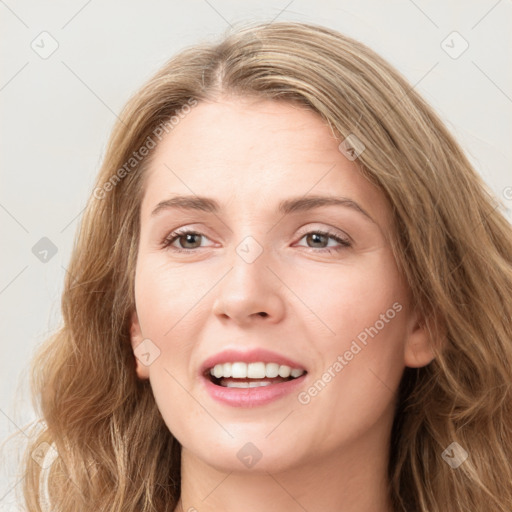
x,y
251,397
250,356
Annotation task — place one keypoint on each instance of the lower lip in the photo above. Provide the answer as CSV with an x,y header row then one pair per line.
x,y
252,397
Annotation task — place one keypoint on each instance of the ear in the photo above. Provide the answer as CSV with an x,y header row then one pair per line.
x,y
136,338
418,348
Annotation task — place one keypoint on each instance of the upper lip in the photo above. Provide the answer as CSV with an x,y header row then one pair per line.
x,y
248,356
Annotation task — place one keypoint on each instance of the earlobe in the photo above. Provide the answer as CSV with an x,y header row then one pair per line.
x,y
136,338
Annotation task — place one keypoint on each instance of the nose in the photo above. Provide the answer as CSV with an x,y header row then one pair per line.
x,y
249,292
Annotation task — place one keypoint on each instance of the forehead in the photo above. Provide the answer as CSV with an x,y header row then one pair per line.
x,y
254,153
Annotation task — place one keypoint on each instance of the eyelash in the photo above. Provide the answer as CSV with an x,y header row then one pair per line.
x,y
172,237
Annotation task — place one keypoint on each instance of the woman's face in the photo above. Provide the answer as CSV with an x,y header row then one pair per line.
x,y
258,275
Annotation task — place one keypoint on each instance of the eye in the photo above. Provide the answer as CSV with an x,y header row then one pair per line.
x,y
321,237
186,237
190,240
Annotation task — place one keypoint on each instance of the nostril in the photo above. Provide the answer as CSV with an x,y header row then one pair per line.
x,y
263,313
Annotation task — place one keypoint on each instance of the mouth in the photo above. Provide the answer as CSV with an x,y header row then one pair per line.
x,y
251,379
253,375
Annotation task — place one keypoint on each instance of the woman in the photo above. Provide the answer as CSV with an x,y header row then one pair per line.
x,y
290,291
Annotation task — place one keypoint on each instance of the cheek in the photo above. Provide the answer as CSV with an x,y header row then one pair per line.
x,y
344,300
171,314
168,306
361,314
165,295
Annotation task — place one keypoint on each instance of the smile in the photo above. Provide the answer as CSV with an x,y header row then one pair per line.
x,y
252,375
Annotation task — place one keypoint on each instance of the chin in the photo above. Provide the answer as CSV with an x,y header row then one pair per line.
x,y
252,457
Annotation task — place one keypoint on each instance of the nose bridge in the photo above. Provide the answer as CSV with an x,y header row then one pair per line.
x,y
250,249
248,288
249,265
250,238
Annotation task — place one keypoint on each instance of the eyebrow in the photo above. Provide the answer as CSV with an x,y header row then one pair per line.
x,y
287,206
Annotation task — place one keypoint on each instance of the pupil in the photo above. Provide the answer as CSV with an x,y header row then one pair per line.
x,y
188,237
317,235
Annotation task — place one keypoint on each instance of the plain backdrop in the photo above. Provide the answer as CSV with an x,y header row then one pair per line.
x,y
68,67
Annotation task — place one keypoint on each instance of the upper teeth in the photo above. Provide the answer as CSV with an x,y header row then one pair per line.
x,y
241,370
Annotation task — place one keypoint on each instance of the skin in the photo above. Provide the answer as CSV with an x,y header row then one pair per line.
x,y
330,454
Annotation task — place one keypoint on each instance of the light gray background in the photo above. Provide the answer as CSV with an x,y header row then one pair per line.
x,y
57,113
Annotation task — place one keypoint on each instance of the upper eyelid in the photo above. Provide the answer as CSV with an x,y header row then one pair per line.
x,y
305,230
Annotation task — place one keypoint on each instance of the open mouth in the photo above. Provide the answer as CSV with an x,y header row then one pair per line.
x,y
232,382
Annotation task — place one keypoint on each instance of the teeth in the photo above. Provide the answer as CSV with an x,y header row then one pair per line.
x,y
256,371
240,370
218,371
284,371
227,369
246,384
272,370
257,384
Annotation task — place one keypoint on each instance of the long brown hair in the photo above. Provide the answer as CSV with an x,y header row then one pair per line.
x,y
451,242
